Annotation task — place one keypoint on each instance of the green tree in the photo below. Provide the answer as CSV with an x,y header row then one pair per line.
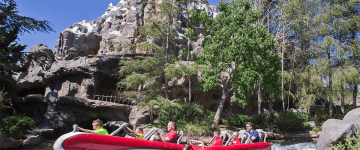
x,y
191,34
147,71
11,25
336,25
236,54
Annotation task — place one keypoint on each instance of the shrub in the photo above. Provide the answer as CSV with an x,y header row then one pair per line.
x,y
239,120
16,126
351,143
263,120
306,125
289,121
317,128
195,128
183,114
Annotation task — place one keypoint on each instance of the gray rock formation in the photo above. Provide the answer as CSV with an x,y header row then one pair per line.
x,y
333,129
62,112
82,66
140,116
44,133
82,62
32,140
6,142
40,60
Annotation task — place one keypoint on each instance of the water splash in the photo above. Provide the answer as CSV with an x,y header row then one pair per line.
x,y
297,146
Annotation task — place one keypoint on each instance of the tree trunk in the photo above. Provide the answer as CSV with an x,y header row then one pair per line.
x,y
288,100
330,88
189,90
220,108
282,66
166,60
343,104
330,107
188,46
259,98
282,78
270,106
355,95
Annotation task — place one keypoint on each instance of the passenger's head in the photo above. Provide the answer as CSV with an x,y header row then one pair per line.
x,y
171,126
216,132
236,134
249,126
139,130
97,123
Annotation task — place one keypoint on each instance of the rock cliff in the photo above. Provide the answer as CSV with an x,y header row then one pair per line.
x,y
82,66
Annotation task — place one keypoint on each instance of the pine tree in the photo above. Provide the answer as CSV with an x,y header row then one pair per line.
x,y
336,25
11,55
160,38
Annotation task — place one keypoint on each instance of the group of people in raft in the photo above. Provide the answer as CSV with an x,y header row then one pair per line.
x,y
171,136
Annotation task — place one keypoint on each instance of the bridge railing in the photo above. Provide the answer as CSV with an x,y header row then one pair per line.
x,y
115,99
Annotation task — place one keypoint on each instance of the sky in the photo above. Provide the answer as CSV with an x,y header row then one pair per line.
x,y
61,14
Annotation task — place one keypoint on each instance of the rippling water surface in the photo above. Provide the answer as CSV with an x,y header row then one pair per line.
x,y
292,145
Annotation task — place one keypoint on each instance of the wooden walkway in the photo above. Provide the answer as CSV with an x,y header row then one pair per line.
x,y
115,99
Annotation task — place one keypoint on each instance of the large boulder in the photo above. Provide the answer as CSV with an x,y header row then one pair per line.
x,y
334,130
6,142
44,133
140,115
32,140
39,59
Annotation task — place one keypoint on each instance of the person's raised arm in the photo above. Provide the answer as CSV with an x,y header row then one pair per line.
x,y
85,130
131,131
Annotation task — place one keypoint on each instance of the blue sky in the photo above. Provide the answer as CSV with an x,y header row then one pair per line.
x,y
61,14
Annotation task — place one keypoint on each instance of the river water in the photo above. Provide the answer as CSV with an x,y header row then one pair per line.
x,y
286,145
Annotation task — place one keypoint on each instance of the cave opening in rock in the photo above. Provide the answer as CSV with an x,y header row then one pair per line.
x,y
105,85
32,90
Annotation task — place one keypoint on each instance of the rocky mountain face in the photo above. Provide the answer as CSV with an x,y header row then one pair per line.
x,y
82,66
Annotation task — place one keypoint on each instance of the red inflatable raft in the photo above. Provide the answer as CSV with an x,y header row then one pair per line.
x,y
87,141
84,141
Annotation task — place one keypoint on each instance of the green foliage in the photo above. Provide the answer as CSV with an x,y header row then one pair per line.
x,y
112,47
182,113
351,143
191,33
179,70
239,120
321,113
130,94
289,121
317,128
306,125
149,71
195,128
4,104
234,45
16,126
263,120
